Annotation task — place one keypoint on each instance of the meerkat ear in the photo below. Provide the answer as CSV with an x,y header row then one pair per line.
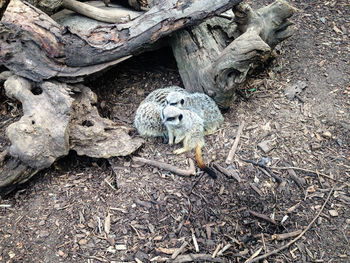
x,y
182,101
180,117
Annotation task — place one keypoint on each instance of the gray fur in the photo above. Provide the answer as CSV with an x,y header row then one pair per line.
x,y
185,126
148,115
200,103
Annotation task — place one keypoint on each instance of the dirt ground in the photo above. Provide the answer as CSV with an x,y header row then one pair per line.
x,y
89,210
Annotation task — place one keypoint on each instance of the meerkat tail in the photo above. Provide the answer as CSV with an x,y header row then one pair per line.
x,y
202,165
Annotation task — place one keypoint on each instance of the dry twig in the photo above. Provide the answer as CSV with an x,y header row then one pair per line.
x,y
267,169
235,144
295,239
178,251
197,258
308,171
227,172
165,166
264,217
286,235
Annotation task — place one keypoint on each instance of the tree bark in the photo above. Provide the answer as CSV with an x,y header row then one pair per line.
x,y
57,118
42,49
216,56
3,6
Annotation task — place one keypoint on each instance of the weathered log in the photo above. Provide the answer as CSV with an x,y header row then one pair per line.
x,y
57,118
43,49
94,136
41,135
216,56
3,6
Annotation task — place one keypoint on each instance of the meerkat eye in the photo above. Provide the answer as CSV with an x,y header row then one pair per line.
x,y
182,102
173,104
170,119
180,117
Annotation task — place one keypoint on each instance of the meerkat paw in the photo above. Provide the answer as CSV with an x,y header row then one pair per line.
x,y
179,151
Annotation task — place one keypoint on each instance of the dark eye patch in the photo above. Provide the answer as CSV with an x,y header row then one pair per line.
x,y
173,104
182,101
170,119
180,117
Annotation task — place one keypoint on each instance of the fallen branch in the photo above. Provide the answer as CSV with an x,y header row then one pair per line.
x,y
190,171
235,143
109,16
295,239
267,169
196,257
262,216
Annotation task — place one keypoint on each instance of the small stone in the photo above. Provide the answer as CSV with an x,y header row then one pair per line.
x,y
333,212
327,134
60,253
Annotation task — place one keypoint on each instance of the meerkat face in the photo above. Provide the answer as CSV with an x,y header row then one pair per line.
x,y
171,116
176,99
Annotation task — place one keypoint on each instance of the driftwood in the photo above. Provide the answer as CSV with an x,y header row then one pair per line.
x,y
216,56
3,6
51,50
57,118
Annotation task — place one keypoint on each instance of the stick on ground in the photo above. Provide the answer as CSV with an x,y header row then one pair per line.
x,y
235,144
295,239
196,258
264,217
308,171
165,166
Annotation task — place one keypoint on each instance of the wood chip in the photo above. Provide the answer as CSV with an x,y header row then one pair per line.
x,y
120,247
235,143
179,250
168,251
333,212
256,253
195,243
286,235
107,225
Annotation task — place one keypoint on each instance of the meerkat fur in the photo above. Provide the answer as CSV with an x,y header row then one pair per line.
x,y
147,119
201,104
187,127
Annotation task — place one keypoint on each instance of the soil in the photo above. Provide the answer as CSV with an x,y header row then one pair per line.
x,y
92,210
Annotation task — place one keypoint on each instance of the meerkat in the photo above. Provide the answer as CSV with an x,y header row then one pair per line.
x,y
187,127
201,104
148,115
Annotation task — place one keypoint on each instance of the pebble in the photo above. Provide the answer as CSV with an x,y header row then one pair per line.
x,y
333,212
